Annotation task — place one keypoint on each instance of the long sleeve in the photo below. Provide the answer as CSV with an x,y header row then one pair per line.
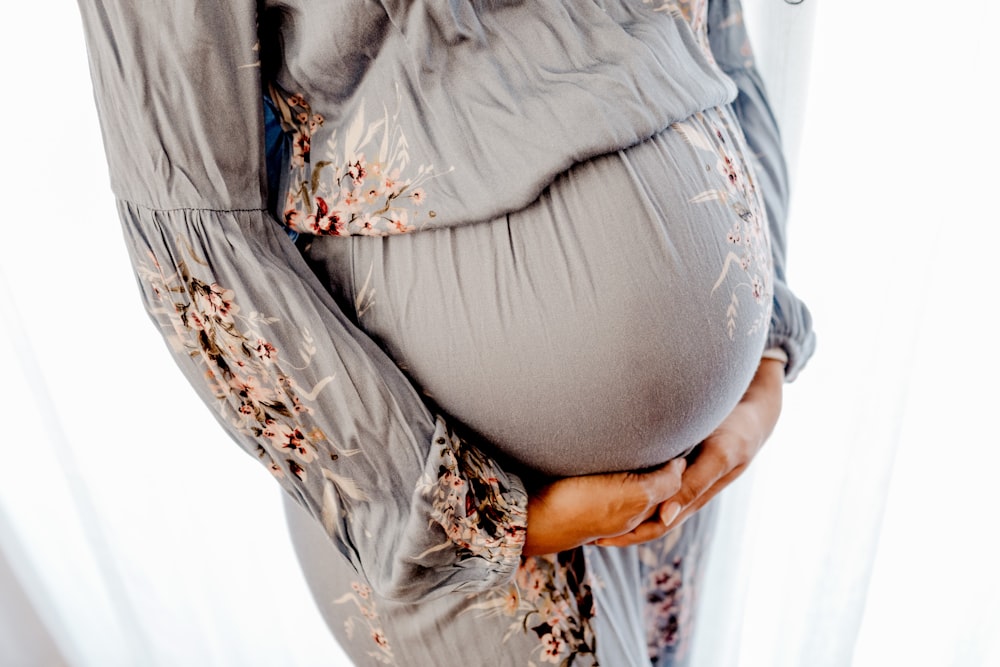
x,y
791,322
414,508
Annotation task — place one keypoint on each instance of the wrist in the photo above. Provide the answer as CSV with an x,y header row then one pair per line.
x,y
765,391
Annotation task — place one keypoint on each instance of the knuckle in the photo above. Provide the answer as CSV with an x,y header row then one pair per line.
x,y
726,457
624,518
686,495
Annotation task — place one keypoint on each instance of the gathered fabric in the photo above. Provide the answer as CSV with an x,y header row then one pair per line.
x,y
404,134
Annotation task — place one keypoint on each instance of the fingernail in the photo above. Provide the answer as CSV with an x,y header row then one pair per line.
x,y
669,513
681,463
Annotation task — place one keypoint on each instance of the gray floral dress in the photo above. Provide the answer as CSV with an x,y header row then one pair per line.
x,y
422,138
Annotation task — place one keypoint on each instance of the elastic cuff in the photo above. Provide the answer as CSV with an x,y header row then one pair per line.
x,y
777,354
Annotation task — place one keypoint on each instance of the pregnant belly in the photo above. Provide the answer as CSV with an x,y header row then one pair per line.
x,y
609,326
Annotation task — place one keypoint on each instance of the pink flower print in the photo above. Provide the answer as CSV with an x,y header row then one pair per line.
x,y
553,612
322,209
364,221
326,220
667,579
727,168
511,602
296,470
757,289
300,149
269,431
391,185
367,227
265,351
459,534
361,186
552,648
291,439
358,171
191,318
371,194
398,221
534,585
379,636
235,361
350,198
248,409
212,377
249,389
363,591
667,611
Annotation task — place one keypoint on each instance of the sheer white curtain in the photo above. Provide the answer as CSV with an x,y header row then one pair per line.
x,y
133,533
869,534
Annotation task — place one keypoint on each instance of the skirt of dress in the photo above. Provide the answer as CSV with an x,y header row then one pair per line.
x,y
611,325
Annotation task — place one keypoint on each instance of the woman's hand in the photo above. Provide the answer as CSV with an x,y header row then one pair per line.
x,y
723,455
578,510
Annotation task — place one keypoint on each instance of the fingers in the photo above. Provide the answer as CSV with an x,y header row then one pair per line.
x,y
723,459
711,465
704,498
656,526
659,485
638,514
715,467
576,510
663,482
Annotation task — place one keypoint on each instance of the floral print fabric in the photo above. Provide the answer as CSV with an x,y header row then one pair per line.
x,y
203,321
750,251
425,527
366,185
548,615
550,599
672,569
277,393
363,182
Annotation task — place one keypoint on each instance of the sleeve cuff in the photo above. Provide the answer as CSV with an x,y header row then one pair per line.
x,y
777,354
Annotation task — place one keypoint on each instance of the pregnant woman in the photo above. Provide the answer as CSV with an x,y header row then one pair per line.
x,y
494,288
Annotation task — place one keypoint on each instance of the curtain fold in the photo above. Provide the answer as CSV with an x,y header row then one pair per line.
x,y
24,635
50,531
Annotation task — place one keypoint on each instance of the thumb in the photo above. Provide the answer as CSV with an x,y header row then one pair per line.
x,y
664,482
